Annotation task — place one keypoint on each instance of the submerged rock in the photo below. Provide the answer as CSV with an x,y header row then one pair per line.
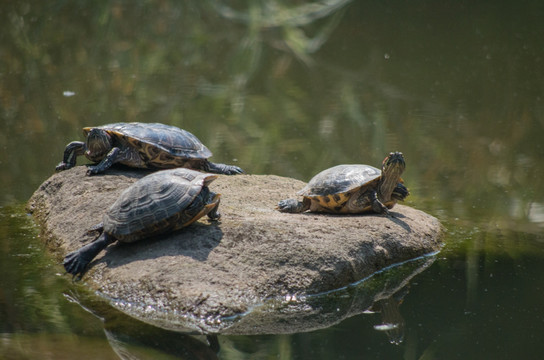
x,y
194,278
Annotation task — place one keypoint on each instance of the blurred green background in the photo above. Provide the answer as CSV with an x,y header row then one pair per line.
x,y
291,88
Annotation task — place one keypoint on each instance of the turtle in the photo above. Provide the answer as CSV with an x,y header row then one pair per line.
x,y
353,189
142,145
161,202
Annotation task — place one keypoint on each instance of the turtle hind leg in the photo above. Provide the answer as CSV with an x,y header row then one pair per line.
x,y
75,262
293,206
224,169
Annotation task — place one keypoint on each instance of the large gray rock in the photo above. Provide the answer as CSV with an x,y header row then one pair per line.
x,y
200,276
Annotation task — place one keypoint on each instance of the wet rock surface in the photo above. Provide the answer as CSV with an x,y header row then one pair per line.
x,y
195,278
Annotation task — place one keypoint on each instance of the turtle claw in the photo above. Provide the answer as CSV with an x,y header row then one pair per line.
x,y
224,169
75,264
214,215
91,170
62,166
235,170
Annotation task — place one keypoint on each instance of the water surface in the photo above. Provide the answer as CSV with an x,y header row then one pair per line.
x,y
291,89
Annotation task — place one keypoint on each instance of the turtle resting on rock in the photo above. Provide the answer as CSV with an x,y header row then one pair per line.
x,y
161,202
353,189
142,145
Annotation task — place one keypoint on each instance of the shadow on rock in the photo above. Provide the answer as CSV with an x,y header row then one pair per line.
x,y
397,218
195,242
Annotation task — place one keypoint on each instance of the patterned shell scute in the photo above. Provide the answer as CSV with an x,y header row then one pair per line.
x,y
340,179
152,199
171,139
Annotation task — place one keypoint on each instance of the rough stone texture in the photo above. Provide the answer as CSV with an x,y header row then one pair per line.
x,y
209,271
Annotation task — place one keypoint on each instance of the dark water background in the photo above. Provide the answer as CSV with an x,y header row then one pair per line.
x,y
291,88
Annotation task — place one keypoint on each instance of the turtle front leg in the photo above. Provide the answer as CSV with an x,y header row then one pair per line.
x,y
224,169
76,261
106,163
377,205
293,206
400,192
214,214
71,152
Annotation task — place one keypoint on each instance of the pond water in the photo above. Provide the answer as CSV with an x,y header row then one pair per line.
x,y
291,89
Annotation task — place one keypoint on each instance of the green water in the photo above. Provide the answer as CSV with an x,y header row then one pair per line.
x,y
291,88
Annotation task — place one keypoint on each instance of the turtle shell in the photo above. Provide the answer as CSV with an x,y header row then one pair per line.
x,y
154,137
334,186
157,203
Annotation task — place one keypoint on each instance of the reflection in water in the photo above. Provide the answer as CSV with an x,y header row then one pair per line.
x,y
381,292
286,23
136,346
132,339
536,213
312,312
392,320
275,14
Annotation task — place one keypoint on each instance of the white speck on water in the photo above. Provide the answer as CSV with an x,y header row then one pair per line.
x,y
385,327
68,93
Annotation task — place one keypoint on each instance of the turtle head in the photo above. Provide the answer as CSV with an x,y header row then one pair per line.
x,y
99,143
393,164
392,168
